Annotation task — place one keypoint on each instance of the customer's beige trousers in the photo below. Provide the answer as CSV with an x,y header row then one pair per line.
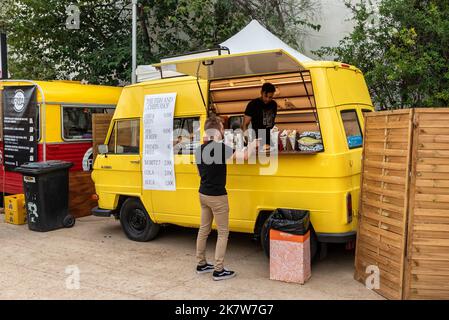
x,y
213,207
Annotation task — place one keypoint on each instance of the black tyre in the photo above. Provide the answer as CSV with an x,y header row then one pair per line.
x,y
136,223
265,241
68,221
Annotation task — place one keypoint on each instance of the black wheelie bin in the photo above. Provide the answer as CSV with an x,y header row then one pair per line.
x,y
46,188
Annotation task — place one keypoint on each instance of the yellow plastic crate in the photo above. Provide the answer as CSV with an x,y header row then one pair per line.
x,y
15,212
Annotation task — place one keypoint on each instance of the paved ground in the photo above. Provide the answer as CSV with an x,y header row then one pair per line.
x,y
33,265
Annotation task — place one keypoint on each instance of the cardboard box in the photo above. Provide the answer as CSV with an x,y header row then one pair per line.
x,y
15,212
290,257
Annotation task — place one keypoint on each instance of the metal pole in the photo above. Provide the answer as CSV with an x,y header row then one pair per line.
x,y
134,43
3,56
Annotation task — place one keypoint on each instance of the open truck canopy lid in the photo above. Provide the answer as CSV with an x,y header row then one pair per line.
x,y
234,65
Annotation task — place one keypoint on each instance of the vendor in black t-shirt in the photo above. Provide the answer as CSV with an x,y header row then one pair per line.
x,y
261,113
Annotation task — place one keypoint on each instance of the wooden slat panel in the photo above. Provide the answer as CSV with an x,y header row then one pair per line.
x,y
383,219
100,127
372,243
235,107
231,96
427,267
283,90
433,138
434,146
390,126
387,152
387,133
386,179
386,263
81,189
383,199
432,161
434,213
434,131
433,124
382,191
428,294
259,80
432,168
432,153
432,183
433,175
432,197
431,205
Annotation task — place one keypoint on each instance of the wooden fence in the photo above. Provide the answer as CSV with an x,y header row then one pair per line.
x,y
404,209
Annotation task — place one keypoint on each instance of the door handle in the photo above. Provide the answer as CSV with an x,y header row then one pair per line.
x,y
135,161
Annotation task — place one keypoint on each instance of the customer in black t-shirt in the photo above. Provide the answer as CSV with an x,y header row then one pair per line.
x,y
211,158
261,113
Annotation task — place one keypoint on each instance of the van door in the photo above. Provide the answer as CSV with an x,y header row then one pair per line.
x,y
120,170
182,205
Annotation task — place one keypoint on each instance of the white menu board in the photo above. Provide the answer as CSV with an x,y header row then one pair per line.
x,y
158,159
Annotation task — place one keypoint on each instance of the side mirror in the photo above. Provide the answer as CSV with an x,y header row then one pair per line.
x,y
103,149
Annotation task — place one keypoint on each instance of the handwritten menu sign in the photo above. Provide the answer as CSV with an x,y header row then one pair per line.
x,y
158,159
19,126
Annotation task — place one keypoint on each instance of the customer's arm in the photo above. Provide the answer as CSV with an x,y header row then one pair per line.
x,y
246,153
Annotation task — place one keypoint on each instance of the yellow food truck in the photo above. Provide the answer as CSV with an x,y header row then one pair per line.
x,y
324,101
61,124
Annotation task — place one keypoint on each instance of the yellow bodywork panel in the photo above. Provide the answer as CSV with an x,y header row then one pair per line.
x,y
347,86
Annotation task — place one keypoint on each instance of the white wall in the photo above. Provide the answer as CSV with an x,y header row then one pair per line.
x,y
333,27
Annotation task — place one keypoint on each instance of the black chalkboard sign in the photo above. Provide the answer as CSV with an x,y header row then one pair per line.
x,y
19,126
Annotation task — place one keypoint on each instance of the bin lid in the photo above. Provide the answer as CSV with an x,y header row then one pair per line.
x,y
43,166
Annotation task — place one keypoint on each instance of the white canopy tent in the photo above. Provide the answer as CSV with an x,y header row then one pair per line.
x,y
254,37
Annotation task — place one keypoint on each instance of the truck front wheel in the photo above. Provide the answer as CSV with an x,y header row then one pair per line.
x,y
135,221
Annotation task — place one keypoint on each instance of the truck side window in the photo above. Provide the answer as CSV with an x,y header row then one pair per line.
x,y
186,135
125,137
77,122
352,129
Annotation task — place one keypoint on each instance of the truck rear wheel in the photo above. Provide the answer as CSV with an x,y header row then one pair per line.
x,y
136,222
265,241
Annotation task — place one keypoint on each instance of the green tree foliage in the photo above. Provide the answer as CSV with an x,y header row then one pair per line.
x,y
402,46
41,47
